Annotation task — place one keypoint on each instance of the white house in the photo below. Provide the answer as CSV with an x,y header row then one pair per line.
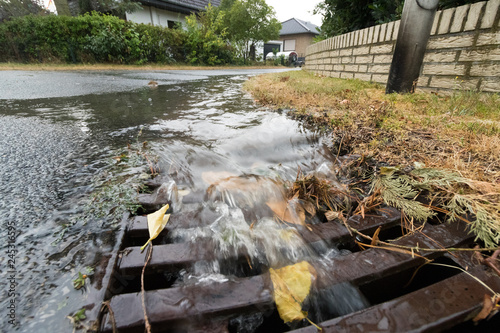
x,y
167,13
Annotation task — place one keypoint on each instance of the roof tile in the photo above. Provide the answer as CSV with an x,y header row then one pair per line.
x,y
296,26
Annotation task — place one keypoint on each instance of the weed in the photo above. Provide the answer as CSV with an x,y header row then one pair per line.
x,y
79,282
78,317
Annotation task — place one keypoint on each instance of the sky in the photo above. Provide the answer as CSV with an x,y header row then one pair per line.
x,y
286,9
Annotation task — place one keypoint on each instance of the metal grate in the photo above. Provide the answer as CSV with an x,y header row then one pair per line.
x,y
439,298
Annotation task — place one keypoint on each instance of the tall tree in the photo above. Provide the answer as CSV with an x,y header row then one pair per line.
x,y
341,16
16,8
249,22
226,5
62,7
113,7
206,38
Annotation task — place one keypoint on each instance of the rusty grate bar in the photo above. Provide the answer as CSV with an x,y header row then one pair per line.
x,y
432,309
362,266
254,293
177,304
169,256
139,224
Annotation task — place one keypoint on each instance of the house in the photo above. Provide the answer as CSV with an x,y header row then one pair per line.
x,y
296,35
168,13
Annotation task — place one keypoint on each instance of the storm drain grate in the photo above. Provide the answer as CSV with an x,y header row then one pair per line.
x,y
401,296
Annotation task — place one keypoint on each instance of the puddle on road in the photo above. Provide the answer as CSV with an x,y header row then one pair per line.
x,y
54,151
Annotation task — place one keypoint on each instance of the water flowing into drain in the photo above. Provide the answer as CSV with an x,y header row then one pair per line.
x,y
251,236
65,180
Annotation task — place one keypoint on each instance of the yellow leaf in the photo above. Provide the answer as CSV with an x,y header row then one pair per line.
x,y
288,235
291,285
156,223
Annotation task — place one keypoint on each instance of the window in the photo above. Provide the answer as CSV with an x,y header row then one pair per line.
x,y
289,45
171,24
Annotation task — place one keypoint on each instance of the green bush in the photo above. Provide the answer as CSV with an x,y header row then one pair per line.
x,y
206,39
88,38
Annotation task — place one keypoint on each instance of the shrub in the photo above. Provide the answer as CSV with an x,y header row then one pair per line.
x,y
91,37
206,38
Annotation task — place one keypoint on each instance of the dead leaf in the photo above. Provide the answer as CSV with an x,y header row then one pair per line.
x,y
489,306
156,223
212,177
332,215
310,208
285,211
291,285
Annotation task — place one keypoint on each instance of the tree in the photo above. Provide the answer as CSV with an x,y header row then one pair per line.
x,y
113,7
206,38
341,16
17,8
226,5
62,7
249,22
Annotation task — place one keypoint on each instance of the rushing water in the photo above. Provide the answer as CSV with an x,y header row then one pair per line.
x,y
54,152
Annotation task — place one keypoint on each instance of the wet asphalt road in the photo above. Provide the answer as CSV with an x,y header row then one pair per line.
x,y
49,84
59,130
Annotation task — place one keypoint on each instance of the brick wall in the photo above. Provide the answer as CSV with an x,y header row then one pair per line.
x,y
463,51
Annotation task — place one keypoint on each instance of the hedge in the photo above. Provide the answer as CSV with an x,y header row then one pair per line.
x,y
88,38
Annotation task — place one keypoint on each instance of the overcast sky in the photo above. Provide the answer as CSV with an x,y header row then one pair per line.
x,y
301,9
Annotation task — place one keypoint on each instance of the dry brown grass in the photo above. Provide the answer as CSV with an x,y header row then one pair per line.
x,y
459,131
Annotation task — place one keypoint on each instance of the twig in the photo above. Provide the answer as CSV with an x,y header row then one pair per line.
x,y
490,262
111,315
340,146
395,249
146,319
417,248
447,212
435,241
472,276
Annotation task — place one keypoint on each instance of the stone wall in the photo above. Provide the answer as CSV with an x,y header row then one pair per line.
x,y
463,51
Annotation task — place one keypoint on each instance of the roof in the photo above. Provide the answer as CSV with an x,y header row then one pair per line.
x,y
195,4
295,26
181,6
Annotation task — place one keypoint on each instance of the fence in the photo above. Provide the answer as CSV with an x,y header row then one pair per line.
x,y
463,51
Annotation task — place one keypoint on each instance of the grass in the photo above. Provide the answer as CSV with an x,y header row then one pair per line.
x,y
443,150
458,131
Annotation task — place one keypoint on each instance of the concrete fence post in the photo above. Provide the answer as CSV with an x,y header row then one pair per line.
x,y
414,31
